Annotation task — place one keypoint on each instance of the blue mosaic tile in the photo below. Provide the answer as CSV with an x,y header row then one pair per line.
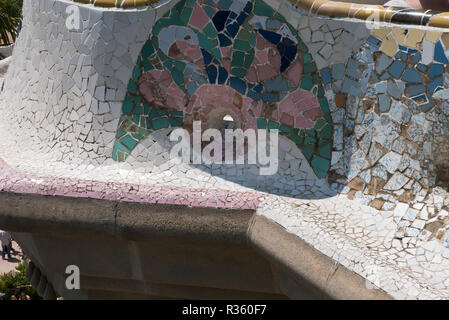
x,y
416,89
373,42
325,75
411,75
435,70
384,62
432,86
396,69
338,71
393,89
439,55
384,103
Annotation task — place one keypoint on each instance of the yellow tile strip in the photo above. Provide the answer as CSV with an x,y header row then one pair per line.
x,y
331,9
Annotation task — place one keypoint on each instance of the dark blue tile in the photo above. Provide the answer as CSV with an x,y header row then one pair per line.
x,y
415,89
270,36
411,75
222,75
396,69
212,73
285,63
432,86
238,85
232,29
254,95
373,42
219,19
206,56
421,67
416,58
258,88
241,18
224,41
269,97
290,52
325,75
248,8
439,55
435,70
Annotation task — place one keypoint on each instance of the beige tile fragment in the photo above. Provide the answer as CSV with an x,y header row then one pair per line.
x,y
381,33
389,46
414,36
399,34
433,36
445,40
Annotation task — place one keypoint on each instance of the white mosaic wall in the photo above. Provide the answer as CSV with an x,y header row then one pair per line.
x,y
62,100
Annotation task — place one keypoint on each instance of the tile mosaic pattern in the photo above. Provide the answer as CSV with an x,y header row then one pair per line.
x,y
365,240
389,111
383,209
15,181
202,53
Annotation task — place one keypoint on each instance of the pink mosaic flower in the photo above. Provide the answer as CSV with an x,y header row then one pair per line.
x,y
266,63
158,87
183,50
212,102
299,109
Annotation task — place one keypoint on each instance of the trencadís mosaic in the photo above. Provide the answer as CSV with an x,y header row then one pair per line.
x,y
363,109
206,59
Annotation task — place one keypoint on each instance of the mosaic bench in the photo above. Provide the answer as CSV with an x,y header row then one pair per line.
x,y
358,93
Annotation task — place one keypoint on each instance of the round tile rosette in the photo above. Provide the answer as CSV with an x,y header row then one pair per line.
x,y
208,60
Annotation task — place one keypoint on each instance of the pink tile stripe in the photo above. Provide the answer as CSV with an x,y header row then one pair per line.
x,y
14,181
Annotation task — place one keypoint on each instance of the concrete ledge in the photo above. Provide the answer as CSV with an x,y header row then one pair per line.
x,y
159,250
142,221
309,267
56,215
132,221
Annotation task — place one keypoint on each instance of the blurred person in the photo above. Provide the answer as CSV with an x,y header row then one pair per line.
x,y
5,238
24,296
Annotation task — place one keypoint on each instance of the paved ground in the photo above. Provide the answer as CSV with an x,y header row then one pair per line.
x,y
16,258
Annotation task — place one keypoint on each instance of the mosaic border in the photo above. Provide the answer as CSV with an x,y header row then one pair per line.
x,y
329,8
14,181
